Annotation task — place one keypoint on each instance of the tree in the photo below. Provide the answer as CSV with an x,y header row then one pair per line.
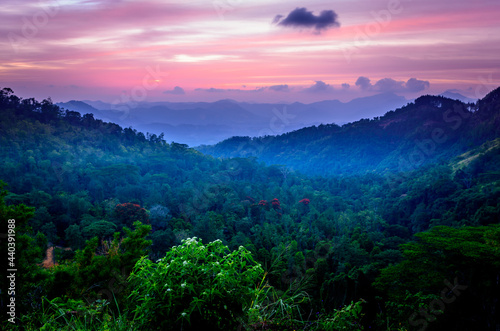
x,y
49,111
7,97
128,213
99,229
49,230
29,251
100,269
466,257
74,237
159,216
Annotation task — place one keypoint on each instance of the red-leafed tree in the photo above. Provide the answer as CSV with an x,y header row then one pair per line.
x,y
263,203
305,201
128,213
277,206
275,203
252,200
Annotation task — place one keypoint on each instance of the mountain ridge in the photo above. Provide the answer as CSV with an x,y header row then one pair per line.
x,y
239,118
426,130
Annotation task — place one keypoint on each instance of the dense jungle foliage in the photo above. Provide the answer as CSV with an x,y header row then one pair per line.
x,y
150,235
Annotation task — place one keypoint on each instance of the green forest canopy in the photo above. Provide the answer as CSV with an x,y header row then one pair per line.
x,y
378,242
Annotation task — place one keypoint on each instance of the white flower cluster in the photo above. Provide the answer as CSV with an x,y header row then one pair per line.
x,y
190,241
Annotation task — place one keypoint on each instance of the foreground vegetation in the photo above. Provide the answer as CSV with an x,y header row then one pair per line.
x,y
164,237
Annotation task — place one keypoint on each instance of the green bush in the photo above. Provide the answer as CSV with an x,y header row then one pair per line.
x,y
347,318
195,286
69,314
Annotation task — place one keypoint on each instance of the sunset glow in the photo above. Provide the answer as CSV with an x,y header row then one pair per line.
x,y
211,50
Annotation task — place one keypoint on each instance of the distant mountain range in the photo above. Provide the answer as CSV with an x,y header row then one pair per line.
x,y
430,129
205,123
197,123
453,94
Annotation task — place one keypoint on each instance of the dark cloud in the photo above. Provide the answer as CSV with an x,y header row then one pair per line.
x,y
345,86
391,85
279,88
302,18
319,86
176,90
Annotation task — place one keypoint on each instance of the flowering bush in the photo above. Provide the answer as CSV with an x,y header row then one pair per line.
x,y
195,286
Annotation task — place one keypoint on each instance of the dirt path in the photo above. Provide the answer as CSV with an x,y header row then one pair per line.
x,y
49,260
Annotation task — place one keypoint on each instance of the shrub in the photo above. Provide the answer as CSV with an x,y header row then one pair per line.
x,y
195,286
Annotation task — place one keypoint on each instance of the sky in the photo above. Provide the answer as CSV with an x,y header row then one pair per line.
x,y
255,51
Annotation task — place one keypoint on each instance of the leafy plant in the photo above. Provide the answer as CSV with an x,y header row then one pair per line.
x,y
346,318
276,308
194,286
70,314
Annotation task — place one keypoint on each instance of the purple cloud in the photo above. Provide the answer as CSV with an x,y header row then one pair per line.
x,y
176,90
279,88
319,86
302,18
364,83
391,85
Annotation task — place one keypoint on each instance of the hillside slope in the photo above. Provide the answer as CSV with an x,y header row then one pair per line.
x,y
430,129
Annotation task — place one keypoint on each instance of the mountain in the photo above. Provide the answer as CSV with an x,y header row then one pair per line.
x,y
366,107
188,133
97,104
81,107
453,94
85,108
327,111
430,129
197,123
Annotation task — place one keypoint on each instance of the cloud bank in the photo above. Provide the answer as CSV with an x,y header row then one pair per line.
x,y
221,90
391,85
319,86
280,88
176,90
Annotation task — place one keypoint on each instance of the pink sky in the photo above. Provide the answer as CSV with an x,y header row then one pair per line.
x,y
215,49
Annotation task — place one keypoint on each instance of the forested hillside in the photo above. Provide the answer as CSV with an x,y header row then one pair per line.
x,y
164,237
431,129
